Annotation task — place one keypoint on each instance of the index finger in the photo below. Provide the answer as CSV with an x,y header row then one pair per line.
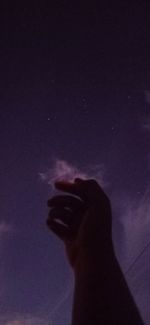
x,y
72,188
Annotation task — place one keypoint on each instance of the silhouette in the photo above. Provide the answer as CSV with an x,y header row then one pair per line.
x,y
82,219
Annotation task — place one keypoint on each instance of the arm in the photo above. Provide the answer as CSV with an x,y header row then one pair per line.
x,y
101,295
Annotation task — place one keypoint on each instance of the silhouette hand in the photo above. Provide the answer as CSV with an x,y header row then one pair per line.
x,y
82,220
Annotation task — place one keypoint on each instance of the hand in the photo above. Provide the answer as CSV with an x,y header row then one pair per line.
x,y
83,219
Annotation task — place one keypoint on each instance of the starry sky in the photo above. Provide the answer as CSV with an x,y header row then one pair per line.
x,y
74,93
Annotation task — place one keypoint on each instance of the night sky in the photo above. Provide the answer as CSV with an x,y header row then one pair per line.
x,y
74,93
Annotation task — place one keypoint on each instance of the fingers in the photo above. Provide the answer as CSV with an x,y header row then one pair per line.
x,y
60,230
63,216
85,189
60,221
66,201
67,211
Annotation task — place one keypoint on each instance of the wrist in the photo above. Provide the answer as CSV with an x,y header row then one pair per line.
x,y
94,259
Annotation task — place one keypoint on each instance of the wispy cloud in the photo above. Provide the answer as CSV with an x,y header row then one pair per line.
x,y
136,248
135,221
146,124
62,170
146,120
147,96
23,320
5,228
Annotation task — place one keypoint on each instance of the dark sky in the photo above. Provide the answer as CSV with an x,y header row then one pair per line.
x,y
75,87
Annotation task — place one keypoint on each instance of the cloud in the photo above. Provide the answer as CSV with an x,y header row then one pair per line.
x,y
23,320
132,245
62,170
5,228
146,124
18,319
147,96
146,119
135,222
137,252
5,231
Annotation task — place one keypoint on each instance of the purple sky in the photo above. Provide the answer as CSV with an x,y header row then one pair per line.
x,y
75,87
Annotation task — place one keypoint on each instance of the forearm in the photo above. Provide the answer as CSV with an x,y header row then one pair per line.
x,y
101,295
